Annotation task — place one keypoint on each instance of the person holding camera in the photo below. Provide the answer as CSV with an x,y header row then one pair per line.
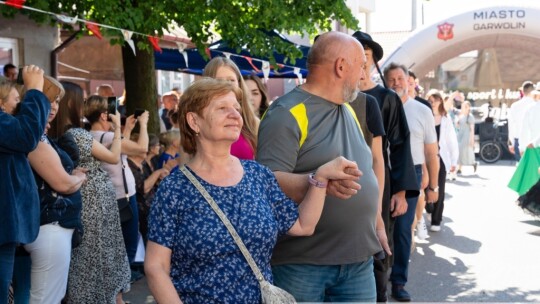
x,y
120,172
22,124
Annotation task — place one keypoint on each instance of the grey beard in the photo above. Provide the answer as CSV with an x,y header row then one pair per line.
x,y
403,93
349,95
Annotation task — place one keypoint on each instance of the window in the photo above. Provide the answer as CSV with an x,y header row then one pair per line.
x,y
9,52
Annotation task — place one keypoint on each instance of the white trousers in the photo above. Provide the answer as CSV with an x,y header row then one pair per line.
x,y
50,254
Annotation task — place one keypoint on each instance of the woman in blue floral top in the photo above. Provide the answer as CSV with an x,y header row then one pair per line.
x,y
191,257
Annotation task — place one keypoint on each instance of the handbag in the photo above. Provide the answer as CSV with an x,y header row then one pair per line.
x,y
124,208
54,207
270,294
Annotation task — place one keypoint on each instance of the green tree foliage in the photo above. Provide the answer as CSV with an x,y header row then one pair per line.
x,y
239,22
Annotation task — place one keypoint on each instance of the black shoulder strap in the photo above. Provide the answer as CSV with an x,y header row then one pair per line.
x,y
359,106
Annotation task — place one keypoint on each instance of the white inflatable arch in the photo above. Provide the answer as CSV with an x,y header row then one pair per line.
x,y
499,26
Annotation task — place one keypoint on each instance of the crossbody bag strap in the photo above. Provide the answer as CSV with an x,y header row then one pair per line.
x,y
123,169
124,178
226,222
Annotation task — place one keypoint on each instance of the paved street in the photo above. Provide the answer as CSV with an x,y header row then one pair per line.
x,y
488,248
487,251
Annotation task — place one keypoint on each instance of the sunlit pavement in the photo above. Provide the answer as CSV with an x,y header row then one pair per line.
x,y
488,249
139,294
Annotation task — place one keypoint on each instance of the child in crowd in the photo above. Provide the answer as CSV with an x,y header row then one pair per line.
x,y
171,142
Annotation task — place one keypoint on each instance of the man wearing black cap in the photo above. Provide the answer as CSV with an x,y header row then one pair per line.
x,y
400,177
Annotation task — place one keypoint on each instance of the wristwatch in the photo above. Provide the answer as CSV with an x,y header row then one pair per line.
x,y
314,182
436,189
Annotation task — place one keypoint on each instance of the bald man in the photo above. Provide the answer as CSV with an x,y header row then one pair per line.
x,y
302,130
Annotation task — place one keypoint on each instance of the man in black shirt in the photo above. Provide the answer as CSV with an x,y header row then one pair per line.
x,y
400,176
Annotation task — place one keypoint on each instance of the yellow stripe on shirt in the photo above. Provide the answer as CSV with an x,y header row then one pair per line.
x,y
299,113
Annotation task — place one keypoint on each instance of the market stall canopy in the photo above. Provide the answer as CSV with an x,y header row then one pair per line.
x,y
175,60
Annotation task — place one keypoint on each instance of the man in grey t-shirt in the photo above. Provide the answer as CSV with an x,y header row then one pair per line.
x,y
424,150
300,131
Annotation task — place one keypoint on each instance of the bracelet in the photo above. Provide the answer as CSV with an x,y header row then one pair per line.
x,y
433,189
316,183
117,138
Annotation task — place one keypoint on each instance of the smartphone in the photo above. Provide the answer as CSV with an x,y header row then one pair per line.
x,y
112,105
139,112
20,77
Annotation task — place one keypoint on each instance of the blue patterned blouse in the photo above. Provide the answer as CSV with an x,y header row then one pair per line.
x,y
206,264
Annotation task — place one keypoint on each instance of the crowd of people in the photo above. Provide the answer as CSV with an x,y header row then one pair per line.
x,y
323,188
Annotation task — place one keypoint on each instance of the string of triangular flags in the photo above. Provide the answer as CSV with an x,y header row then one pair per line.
x,y
94,28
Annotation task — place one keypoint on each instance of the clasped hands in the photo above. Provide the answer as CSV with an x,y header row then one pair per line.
x,y
344,183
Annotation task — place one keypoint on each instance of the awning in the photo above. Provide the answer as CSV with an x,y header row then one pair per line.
x,y
173,60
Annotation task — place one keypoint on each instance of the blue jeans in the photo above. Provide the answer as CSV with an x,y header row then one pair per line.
x,y
403,238
327,283
130,230
22,279
7,260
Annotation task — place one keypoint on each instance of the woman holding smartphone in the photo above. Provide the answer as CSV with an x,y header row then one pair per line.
x,y
120,172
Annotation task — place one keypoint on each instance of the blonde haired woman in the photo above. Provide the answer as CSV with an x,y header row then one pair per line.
x,y
223,68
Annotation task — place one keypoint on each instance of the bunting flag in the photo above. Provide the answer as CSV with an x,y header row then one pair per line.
x,y
250,60
127,38
94,28
15,3
181,46
298,74
155,43
266,70
66,19
185,54
182,49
